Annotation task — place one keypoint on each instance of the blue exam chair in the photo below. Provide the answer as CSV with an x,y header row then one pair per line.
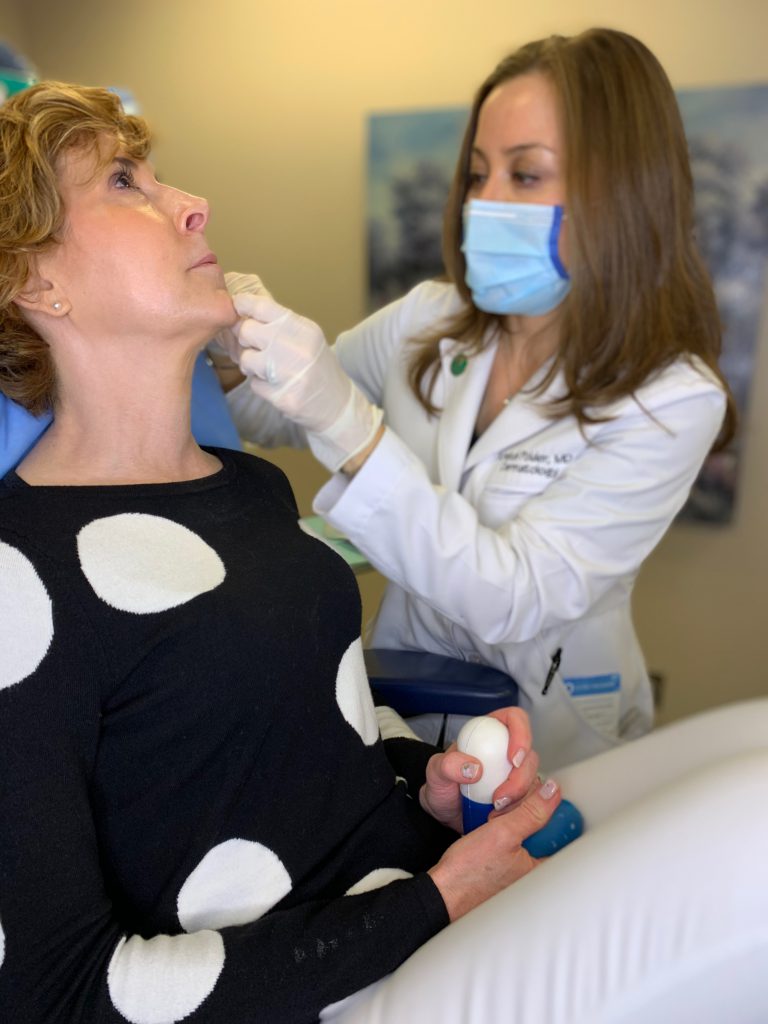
x,y
417,682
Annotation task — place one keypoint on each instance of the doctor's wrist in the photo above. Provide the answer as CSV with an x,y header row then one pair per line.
x,y
357,461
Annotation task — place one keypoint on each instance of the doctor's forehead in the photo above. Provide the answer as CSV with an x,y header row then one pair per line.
x,y
520,114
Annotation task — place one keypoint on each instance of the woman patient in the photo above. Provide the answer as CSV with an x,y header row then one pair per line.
x,y
199,818
188,738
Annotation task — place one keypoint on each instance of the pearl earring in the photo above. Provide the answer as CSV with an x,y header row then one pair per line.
x,y
57,305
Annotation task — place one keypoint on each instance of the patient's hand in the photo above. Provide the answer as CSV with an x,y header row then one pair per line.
x,y
481,864
440,794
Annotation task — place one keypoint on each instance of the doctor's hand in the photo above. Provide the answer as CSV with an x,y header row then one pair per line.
x,y
440,795
492,857
225,342
288,363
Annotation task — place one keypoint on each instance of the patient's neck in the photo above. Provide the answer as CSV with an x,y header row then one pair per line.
x,y
123,426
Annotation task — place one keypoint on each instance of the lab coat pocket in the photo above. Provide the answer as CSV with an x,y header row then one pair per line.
x,y
576,717
562,735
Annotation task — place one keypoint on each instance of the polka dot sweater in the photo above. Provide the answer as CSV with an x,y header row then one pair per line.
x,y
200,821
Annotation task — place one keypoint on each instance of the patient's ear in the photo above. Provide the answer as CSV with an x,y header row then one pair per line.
x,y
41,296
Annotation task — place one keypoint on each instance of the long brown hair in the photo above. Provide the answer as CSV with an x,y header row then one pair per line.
x,y
640,296
37,127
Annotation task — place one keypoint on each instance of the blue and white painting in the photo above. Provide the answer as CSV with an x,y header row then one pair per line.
x,y
411,157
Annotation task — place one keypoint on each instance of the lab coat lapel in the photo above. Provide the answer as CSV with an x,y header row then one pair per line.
x,y
462,394
524,416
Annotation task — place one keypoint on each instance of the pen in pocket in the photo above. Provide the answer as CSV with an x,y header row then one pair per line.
x,y
554,666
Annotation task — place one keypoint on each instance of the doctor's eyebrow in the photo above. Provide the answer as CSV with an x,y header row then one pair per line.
x,y
521,148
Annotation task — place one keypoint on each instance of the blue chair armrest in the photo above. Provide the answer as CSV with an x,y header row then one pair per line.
x,y
417,682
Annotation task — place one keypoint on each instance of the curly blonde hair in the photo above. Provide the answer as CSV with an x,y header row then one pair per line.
x,y
38,126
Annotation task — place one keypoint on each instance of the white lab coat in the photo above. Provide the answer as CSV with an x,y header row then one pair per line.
x,y
527,541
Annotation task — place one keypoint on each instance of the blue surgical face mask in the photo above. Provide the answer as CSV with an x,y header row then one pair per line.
x,y
512,260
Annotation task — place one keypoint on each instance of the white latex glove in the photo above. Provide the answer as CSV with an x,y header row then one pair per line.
x,y
288,363
225,341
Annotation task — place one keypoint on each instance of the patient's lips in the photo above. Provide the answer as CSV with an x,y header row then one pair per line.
x,y
208,259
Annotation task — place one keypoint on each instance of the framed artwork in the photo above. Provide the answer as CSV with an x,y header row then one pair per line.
x,y
411,158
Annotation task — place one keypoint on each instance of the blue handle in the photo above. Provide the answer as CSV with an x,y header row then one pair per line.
x,y
474,813
565,825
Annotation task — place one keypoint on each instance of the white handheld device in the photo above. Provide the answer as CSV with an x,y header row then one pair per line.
x,y
487,740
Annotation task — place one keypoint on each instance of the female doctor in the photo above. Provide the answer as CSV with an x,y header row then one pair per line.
x,y
545,410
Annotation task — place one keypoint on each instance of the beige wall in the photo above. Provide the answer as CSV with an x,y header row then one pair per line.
x,y
261,107
12,28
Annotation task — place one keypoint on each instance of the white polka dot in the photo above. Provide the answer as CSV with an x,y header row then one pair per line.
x,y
141,563
377,879
163,980
235,882
353,694
26,617
392,726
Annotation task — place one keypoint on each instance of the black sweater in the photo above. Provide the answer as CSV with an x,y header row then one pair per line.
x,y
191,777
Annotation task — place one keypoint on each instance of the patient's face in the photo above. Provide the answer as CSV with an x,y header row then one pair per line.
x,y
133,258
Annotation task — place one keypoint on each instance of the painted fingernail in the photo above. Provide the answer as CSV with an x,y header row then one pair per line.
x,y
468,770
501,803
519,757
548,790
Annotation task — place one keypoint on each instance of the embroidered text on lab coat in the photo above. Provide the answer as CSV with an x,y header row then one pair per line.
x,y
523,460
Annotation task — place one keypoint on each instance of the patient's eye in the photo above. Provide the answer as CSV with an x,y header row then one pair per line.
x,y
123,178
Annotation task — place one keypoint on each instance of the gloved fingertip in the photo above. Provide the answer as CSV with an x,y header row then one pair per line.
x,y
245,284
258,307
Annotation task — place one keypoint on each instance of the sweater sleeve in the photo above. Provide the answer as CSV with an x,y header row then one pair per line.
x,y
70,950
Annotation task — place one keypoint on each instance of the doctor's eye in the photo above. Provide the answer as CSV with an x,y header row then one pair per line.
x,y
475,180
524,179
